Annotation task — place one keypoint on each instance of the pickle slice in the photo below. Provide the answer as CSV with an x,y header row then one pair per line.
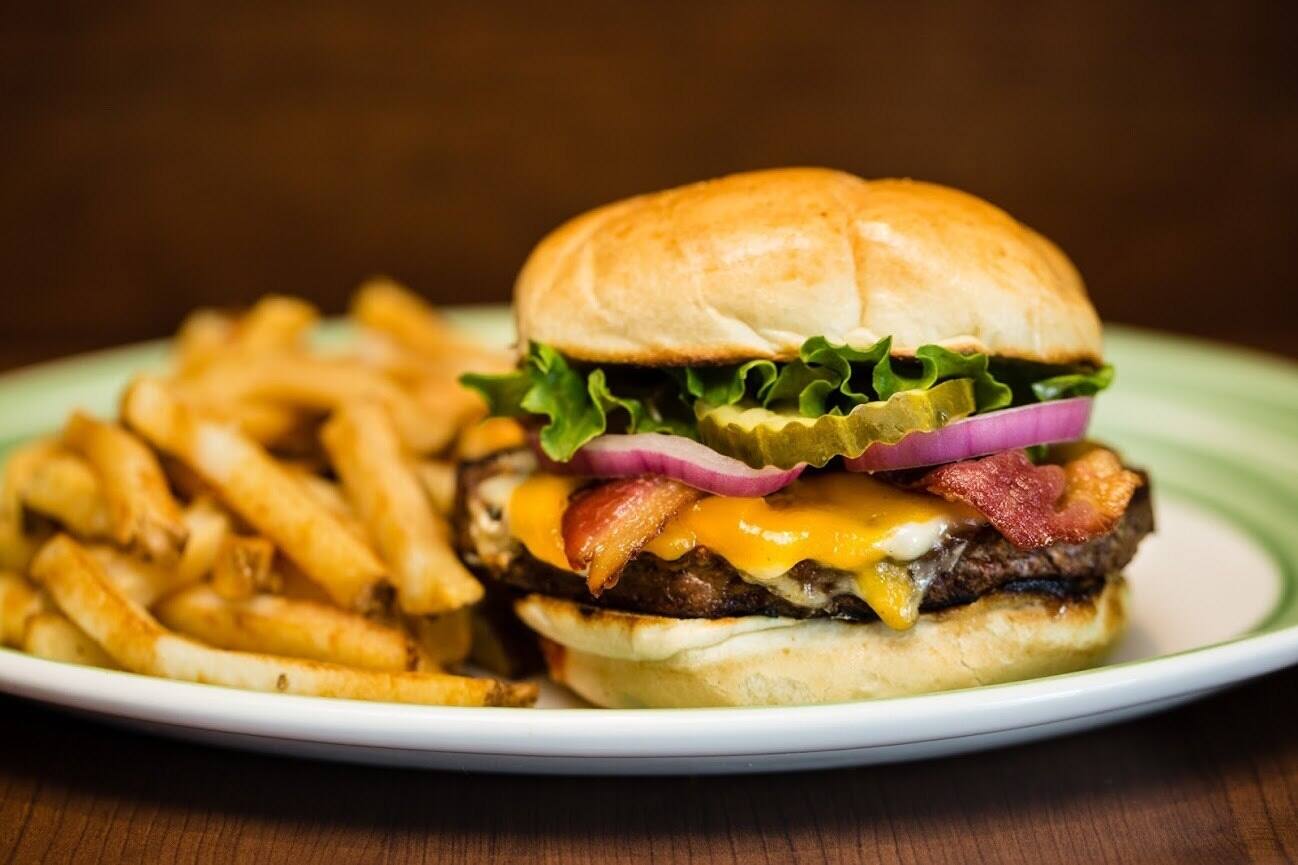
x,y
761,437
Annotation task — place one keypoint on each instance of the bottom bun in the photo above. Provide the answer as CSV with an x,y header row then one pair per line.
x,y
627,660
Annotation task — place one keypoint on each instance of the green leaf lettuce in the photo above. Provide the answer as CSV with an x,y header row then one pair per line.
x,y
580,402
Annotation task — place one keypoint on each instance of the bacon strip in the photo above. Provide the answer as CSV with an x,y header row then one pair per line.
x,y
606,525
1035,506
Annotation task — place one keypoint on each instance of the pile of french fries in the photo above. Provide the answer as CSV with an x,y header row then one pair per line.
x,y
267,515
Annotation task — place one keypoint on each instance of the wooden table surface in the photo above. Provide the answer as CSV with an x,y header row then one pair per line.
x,y
1214,782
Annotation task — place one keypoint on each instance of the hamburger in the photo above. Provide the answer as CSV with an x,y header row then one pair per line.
x,y
799,437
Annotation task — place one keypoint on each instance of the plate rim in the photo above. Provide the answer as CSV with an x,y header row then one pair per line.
x,y
649,732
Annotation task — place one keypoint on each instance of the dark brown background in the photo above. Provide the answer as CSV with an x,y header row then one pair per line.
x,y
154,158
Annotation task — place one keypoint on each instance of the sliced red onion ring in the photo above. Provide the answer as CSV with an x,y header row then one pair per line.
x,y
1043,423
673,456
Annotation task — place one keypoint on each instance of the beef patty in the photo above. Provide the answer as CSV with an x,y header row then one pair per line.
x,y
701,584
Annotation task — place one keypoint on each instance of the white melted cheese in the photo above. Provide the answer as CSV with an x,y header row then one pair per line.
x,y
909,541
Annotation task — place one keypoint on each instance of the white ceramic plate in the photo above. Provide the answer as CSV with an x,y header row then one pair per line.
x,y
1213,604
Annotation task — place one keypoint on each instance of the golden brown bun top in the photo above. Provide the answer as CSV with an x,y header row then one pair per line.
x,y
751,265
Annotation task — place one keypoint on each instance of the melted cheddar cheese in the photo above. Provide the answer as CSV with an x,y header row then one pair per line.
x,y
844,521
849,522
535,516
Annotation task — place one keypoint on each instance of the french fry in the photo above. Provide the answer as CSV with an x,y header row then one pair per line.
x,y
388,307
64,487
438,480
17,545
412,368
326,492
331,498
264,494
137,642
19,601
297,585
208,527
412,539
202,336
142,581
184,480
445,639
143,511
488,436
275,323
451,402
264,422
243,568
282,626
51,636
320,384
381,352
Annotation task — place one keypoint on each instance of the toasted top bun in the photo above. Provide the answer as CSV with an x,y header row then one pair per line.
x,y
626,660
751,265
